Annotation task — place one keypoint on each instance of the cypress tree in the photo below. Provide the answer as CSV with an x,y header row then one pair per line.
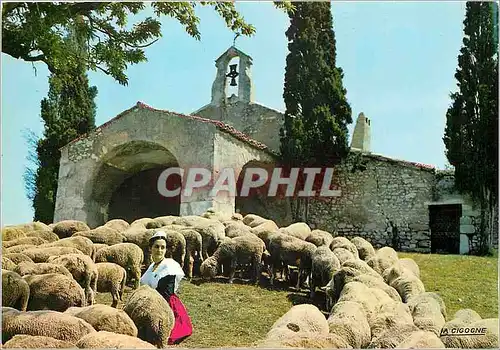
x,y
317,112
471,132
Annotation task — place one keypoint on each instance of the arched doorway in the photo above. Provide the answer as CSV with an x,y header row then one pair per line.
x,y
138,197
126,185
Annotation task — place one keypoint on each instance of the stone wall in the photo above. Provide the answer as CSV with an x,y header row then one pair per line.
x,y
382,200
232,154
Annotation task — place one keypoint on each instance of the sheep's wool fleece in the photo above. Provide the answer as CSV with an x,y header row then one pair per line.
x,y
167,267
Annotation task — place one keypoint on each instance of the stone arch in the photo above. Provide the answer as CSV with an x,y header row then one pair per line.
x,y
258,202
125,183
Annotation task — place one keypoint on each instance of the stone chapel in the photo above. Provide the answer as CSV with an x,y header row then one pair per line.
x,y
112,172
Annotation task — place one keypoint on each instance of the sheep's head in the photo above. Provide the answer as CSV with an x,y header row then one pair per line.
x,y
209,268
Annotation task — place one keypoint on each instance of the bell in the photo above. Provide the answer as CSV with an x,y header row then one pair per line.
x,y
232,74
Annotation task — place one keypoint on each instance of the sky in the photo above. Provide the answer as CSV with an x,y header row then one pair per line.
x,y
398,58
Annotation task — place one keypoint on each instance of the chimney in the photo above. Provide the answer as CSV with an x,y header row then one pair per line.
x,y
362,134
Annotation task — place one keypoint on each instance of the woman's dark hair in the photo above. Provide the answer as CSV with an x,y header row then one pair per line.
x,y
152,240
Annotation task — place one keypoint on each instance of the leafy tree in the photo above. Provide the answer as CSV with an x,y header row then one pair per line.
x,y
471,133
35,31
67,112
317,112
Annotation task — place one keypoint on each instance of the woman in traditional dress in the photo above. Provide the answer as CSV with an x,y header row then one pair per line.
x,y
165,275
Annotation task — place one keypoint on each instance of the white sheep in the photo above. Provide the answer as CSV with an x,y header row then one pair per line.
x,y
127,255
46,323
54,291
111,278
151,314
105,318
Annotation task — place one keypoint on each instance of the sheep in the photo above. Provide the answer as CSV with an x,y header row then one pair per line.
x,y
303,318
430,295
151,314
427,315
22,341
139,235
320,238
348,320
236,251
109,340
67,228
343,254
265,230
393,336
11,233
237,228
194,248
384,258
324,265
24,240
83,270
410,265
54,291
211,230
17,258
365,248
141,222
211,213
479,341
117,224
369,298
288,250
389,316
408,286
32,226
15,290
8,264
83,244
376,282
105,318
127,255
347,272
361,266
253,220
46,323
111,278
40,255
49,236
286,338
466,316
421,339
19,248
31,268
342,242
98,246
102,234
161,221
299,230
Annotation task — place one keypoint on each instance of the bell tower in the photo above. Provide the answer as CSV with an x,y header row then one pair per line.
x,y
232,75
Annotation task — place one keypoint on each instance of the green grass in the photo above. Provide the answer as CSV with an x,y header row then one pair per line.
x,y
238,315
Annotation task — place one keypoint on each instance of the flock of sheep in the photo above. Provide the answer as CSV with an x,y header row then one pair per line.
x,y
51,273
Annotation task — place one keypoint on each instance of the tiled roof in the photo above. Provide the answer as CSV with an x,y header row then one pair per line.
x,y
220,125
400,161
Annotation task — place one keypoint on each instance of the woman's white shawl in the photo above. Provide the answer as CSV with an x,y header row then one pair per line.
x,y
167,267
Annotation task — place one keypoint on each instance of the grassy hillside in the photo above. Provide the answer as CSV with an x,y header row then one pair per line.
x,y
226,315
